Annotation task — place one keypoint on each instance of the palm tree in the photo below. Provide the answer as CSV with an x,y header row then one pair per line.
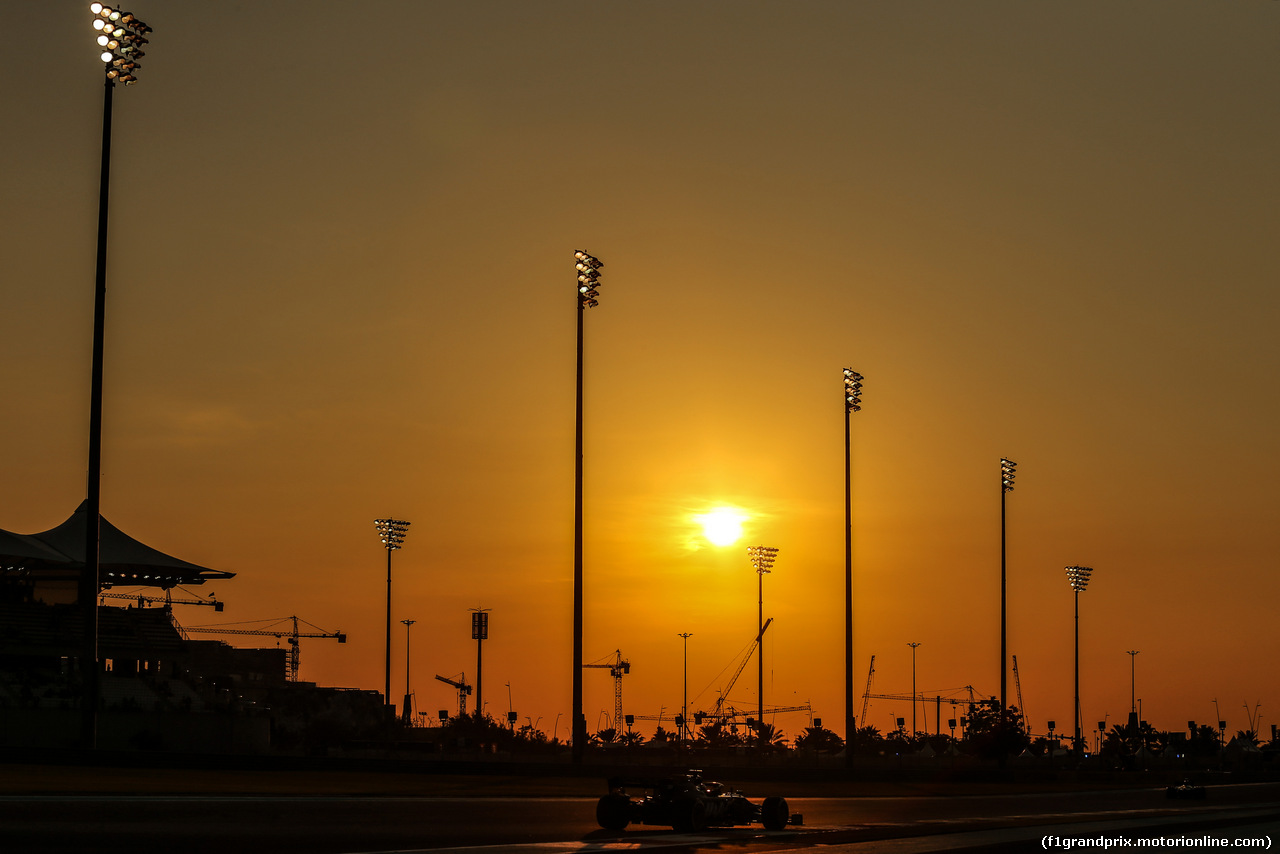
x,y
767,737
631,738
819,739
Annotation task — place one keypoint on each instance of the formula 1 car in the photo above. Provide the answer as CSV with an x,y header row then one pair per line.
x,y
687,803
1185,790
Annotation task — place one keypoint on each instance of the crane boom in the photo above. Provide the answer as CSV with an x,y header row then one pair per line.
x,y
463,690
724,695
1017,681
143,600
866,693
295,654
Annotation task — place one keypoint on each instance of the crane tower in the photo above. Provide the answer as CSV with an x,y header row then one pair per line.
x,y
616,668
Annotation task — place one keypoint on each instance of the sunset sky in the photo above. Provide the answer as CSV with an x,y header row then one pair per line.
x,y
341,287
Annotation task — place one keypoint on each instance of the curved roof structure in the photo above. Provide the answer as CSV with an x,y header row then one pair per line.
x,y
121,558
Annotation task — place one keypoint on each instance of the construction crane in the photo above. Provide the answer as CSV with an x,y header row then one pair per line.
x,y
167,601
292,634
733,715
920,697
463,690
1017,681
866,694
616,668
719,713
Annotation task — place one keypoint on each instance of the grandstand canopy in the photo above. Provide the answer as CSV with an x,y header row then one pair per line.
x,y
121,558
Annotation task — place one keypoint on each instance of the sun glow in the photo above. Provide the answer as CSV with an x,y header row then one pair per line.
x,y
721,526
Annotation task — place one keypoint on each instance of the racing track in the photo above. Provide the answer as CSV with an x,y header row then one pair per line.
x,y
343,825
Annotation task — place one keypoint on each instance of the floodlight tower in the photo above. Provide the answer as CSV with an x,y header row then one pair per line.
x,y
588,267
913,645
684,702
392,533
120,38
1133,682
1007,470
480,634
762,558
1078,576
852,404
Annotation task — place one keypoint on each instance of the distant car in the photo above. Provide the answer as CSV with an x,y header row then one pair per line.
x,y
686,803
1185,790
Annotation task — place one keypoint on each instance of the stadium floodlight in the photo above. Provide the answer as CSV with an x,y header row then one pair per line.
x,y
392,533
588,267
1079,578
1007,470
587,289
762,558
852,404
118,37
852,390
122,35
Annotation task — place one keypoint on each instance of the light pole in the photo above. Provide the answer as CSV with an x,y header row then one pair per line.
x,y
1007,470
407,712
588,267
1133,702
913,646
1079,578
762,558
479,634
120,38
684,702
852,404
1133,682
392,533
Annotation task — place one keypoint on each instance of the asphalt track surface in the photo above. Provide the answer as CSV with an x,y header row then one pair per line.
x,y
345,824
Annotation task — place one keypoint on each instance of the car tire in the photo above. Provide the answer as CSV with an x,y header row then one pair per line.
x,y
695,819
774,813
612,812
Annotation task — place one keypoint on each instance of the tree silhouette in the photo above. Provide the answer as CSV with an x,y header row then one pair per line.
x,y
868,741
766,737
819,739
630,739
992,734
718,735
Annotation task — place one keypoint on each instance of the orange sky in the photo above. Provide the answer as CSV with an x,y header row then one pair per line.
x,y
340,283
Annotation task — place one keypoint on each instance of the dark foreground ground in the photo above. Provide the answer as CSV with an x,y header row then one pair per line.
x,y
131,803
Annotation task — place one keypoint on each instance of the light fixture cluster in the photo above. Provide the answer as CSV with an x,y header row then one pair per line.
x,y
392,532
121,36
1079,577
852,390
762,557
588,278
1007,468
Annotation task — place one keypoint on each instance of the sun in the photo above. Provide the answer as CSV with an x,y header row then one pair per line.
x,y
721,526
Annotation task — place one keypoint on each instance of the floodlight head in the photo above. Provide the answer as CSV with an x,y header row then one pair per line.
x,y
95,8
852,390
588,267
392,532
762,557
1007,469
1079,577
